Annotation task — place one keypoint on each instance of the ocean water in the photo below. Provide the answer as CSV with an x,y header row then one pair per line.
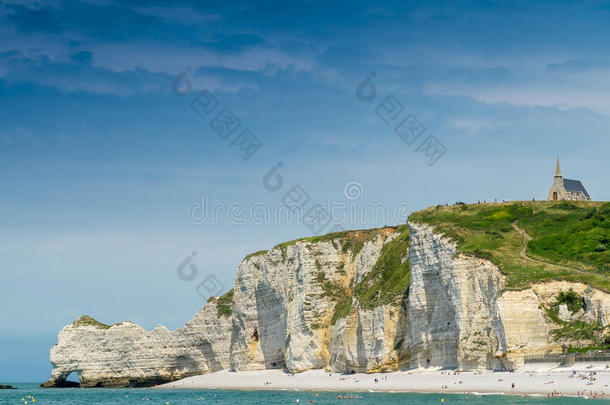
x,y
76,396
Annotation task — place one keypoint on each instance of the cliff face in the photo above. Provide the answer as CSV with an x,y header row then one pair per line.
x,y
536,322
460,315
285,300
368,340
365,301
454,321
126,355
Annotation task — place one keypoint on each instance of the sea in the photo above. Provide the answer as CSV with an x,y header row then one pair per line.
x,y
28,393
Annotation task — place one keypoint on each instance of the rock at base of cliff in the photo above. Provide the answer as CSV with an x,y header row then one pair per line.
x,y
60,384
112,382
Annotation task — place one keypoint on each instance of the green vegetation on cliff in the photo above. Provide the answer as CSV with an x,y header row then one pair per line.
x,y
86,320
259,253
389,277
387,280
351,241
341,296
579,234
576,330
342,308
223,304
569,240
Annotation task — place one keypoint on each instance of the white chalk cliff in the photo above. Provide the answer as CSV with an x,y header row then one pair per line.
x,y
298,307
126,354
284,303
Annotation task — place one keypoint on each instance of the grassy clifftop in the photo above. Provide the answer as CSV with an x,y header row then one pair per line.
x,y
351,241
562,240
529,241
86,320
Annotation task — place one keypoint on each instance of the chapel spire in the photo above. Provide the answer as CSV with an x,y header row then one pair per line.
x,y
558,170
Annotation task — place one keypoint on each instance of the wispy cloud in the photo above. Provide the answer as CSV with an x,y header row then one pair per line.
x,y
78,74
580,65
590,90
178,14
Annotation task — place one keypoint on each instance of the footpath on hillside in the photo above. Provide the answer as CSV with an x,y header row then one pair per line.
x,y
523,253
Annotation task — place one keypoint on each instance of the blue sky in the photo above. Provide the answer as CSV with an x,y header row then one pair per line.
x,y
100,159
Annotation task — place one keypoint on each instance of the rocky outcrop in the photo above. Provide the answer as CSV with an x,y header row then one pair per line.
x,y
323,302
126,355
525,326
595,304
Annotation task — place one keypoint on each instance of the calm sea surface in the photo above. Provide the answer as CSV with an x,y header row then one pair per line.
x,y
182,397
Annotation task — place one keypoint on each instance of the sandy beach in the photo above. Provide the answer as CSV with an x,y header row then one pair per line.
x,y
587,380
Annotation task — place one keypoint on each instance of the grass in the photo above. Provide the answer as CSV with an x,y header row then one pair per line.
x,y
223,304
351,241
580,236
575,330
578,330
389,277
340,295
259,253
342,308
586,349
573,301
312,239
387,280
330,289
86,320
571,234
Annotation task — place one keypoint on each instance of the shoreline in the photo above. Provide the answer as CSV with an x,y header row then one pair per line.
x,y
567,382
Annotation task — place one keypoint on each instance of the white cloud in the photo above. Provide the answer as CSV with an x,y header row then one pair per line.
x,y
172,60
182,15
32,4
472,124
534,85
